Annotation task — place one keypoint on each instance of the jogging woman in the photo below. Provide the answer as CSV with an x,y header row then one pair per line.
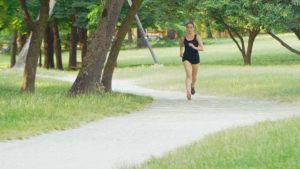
x,y
190,45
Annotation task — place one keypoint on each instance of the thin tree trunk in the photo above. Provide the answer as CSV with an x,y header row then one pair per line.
x,y
284,44
73,46
48,48
115,49
14,49
57,45
82,32
140,39
38,29
92,67
130,38
171,34
22,40
208,29
297,32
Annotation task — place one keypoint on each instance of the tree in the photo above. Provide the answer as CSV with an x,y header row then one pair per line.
x,y
91,70
116,46
281,16
238,17
37,28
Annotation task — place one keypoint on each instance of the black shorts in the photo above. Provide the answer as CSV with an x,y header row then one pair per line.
x,y
192,60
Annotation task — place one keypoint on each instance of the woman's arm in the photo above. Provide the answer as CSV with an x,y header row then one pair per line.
x,y
181,46
200,46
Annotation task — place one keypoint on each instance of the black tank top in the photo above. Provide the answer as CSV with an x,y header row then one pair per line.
x,y
189,51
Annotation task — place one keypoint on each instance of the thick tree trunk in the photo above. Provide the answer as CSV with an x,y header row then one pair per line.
x,y
38,29
48,48
171,34
14,49
73,46
91,70
82,32
115,49
57,45
248,55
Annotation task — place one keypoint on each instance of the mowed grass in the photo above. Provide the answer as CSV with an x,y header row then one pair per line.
x,y
277,83
268,145
266,51
50,109
274,74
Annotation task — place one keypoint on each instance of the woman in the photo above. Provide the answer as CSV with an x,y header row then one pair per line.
x,y
192,44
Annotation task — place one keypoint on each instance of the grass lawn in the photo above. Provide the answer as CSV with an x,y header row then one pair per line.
x,y
268,145
49,109
274,74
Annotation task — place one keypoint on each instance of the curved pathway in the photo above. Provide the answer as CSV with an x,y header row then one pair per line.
x,y
169,122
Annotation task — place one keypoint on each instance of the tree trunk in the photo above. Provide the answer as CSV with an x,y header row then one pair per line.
x,y
130,37
82,32
208,29
38,29
48,48
22,40
73,45
297,32
171,34
284,44
248,55
57,45
14,49
140,39
91,70
115,49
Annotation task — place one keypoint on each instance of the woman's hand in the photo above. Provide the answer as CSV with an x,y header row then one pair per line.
x,y
181,54
192,45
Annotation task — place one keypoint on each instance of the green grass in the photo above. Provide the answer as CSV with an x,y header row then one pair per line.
x,y
268,145
49,109
278,83
266,51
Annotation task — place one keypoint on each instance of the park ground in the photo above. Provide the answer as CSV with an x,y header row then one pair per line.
x,y
273,76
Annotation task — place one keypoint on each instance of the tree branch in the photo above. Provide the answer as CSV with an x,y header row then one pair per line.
x,y
27,17
283,43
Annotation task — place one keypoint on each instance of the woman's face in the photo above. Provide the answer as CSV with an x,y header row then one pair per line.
x,y
190,28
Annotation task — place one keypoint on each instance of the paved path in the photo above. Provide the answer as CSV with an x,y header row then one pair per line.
x,y
171,121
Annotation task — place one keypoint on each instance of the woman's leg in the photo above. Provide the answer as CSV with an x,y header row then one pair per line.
x,y
188,78
195,68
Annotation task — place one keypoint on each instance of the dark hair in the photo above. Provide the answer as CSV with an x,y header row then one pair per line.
x,y
190,22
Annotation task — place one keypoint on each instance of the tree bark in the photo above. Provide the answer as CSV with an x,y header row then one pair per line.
x,y
14,49
297,32
130,37
22,40
246,53
140,39
48,48
208,29
73,45
38,29
57,45
92,67
82,32
116,47
284,44
171,34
